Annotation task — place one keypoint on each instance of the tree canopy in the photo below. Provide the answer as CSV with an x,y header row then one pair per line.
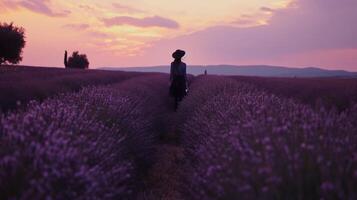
x,y
78,61
12,41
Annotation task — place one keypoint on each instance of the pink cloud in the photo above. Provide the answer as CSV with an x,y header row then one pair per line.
x,y
155,21
98,34
8,5
87,7
126,9
334,58
267,9
77,26
305,26
244,22
37,6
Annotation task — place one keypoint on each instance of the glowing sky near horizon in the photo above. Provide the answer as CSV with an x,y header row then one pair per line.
x,y
145,32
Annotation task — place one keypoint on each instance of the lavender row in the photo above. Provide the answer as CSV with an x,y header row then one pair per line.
x,y
19,85
86,145
244,143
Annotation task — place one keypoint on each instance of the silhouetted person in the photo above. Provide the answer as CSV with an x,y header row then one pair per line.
x,y
178,77
206,72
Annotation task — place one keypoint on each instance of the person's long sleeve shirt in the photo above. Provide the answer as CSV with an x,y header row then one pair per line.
x,y
177,70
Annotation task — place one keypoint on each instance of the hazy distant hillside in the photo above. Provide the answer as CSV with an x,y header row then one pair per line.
x,y
249,71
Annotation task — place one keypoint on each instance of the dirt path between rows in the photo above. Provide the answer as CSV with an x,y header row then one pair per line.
x,y
164,178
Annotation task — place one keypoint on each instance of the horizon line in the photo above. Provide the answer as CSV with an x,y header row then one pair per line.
x,y
193,65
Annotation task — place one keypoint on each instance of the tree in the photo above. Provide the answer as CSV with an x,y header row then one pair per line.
x,y
65,59
12,41
78,61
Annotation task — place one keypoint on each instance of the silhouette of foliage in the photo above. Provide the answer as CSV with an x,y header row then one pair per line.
x,y
78,61
65,59
12,41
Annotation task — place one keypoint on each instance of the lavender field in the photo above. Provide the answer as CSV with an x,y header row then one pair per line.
x,y
243,142
20,84
229,139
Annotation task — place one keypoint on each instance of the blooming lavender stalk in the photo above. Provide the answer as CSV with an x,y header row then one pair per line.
x,y
244,143
86,145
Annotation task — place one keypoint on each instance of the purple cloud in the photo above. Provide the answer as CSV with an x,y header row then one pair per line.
x,y
304,26
155,21
38,6
126,9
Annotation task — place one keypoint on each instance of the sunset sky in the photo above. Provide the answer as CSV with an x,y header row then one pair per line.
x,y
299,33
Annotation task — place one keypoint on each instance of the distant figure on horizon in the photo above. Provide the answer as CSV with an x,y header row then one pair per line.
x,y
205,71
178,77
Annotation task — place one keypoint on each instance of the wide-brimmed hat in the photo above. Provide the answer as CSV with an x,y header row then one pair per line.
x,y
178,54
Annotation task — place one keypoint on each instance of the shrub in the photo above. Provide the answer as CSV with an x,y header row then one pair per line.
x,y
78,61
12,41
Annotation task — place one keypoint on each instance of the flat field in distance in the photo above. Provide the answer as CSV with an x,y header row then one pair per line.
x,y
330,92
20,84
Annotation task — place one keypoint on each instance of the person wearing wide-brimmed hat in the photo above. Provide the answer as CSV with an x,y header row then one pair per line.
x,y
178,77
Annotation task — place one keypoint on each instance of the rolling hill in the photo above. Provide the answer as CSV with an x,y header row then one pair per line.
x,y
253,70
